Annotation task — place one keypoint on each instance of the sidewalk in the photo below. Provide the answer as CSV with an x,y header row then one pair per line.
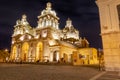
x,y
107,75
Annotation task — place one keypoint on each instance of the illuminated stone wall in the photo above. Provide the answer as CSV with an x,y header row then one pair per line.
x,y
110,33
85,56
66,51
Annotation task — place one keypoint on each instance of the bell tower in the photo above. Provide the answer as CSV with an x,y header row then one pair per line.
x,y
48,18
109,12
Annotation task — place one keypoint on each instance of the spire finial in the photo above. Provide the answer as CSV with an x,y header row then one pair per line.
x,y
24,16
68,22
24,20
69,19
48,5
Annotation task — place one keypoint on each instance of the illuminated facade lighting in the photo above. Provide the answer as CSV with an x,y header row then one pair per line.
x,y
46,42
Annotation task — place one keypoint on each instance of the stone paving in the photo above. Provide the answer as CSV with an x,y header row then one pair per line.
x,y
49,72
110,76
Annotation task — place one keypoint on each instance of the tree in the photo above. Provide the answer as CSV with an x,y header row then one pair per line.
x,y
3,55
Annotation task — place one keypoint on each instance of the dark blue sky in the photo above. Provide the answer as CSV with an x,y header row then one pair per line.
x,y
83,13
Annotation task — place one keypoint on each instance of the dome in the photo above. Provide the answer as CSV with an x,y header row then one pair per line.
x,y
69,31
69,27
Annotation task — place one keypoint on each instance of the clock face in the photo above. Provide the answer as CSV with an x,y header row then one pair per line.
x,y
44,33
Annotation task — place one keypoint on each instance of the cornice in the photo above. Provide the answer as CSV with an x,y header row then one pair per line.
x,y
111,32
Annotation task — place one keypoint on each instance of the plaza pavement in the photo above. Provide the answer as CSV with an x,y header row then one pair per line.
x,y
53,72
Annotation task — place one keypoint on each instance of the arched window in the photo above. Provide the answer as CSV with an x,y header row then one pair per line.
x,y
39,51
25,50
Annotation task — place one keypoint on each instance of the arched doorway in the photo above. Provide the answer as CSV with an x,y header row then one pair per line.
x,y
25,48
31,55
65,57
39,51
14,52
55,56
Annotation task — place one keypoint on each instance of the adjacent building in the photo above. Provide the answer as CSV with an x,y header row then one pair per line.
x,y
109,11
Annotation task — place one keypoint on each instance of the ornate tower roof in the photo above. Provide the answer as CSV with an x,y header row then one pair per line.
x,y
48,10
22,26
48,17
69,27
49,5
24,20
68,23
69,31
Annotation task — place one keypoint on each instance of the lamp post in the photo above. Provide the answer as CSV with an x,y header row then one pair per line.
x,y
99,58
6,55
6,50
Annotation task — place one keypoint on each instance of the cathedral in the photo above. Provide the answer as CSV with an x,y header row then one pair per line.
x,y
47,42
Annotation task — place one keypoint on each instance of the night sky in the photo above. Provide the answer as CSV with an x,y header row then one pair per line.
x,y
83,13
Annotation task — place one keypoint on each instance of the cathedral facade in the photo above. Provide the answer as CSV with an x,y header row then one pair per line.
x,y
46,42
109,11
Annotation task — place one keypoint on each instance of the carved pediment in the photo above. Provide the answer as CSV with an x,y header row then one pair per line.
x,y
25,37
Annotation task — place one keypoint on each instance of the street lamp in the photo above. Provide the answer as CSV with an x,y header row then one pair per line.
x,y
7,55
99,58
6,50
